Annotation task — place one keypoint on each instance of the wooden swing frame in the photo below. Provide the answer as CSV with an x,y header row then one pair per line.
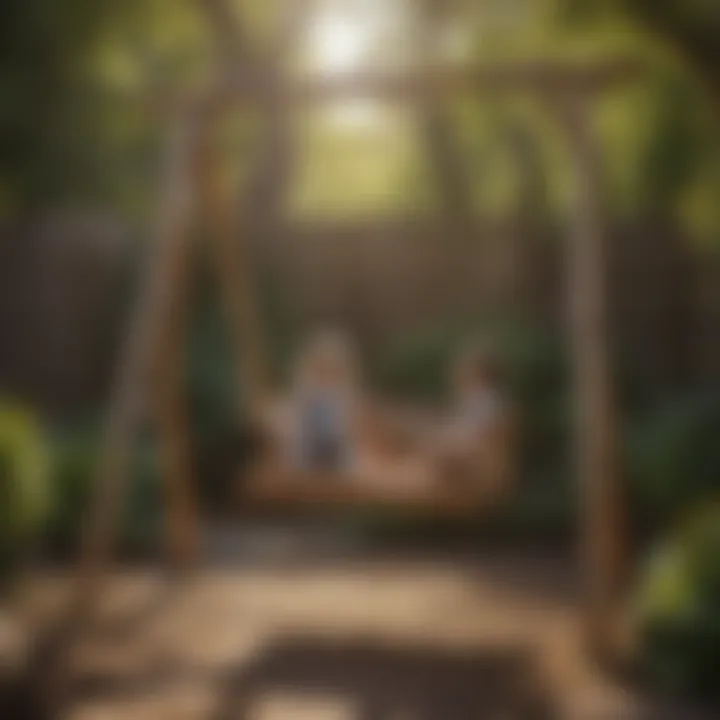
x,y
151,375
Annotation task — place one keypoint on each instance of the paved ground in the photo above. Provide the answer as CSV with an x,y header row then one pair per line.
x,y
339,636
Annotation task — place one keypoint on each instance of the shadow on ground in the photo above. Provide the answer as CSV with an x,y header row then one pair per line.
x,y
380,682
376,680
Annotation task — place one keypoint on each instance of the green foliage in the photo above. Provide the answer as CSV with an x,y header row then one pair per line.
x,y
674,458
211,375
141,522
543,511
67,130
538,376
75,472
24,483
417,365
75,462
213,397
223,442
678,608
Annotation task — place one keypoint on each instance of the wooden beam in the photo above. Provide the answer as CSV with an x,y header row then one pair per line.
x,y
601,519
258,86
545,78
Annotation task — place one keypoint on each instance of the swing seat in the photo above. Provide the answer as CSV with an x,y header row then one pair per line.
x,y
294,490
391,476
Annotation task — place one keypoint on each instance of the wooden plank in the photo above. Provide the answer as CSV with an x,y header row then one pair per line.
x,y
293,492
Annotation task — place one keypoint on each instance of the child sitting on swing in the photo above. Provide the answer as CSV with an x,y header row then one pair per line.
x,y
473,444
324,408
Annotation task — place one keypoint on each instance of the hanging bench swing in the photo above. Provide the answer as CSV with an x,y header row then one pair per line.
x,y
394,469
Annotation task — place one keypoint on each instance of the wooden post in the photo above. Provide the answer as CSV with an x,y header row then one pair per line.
x,y
154,312
181,520
128,404
595,412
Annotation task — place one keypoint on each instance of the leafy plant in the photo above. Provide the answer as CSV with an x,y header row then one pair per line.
x,y
678,608
76,462
24,483
674,458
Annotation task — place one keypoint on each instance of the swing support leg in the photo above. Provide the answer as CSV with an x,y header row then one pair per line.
x,y
597,462
128,405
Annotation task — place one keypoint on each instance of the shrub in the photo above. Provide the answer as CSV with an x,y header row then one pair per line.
x,y
212,396
416,366
674,459
678,609
24,483
76,462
